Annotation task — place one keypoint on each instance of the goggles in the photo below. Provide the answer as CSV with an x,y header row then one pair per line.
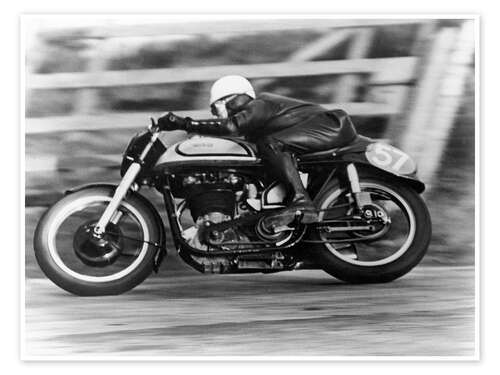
x,y
218,108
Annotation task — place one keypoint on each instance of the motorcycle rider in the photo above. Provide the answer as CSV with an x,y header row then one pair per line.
x,y
281,127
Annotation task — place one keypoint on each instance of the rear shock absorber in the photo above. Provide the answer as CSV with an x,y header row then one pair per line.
x,y
361,198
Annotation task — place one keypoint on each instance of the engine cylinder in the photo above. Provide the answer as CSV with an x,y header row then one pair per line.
x,y
209,201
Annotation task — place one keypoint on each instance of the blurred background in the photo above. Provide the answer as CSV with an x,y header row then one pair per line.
x,y
92,83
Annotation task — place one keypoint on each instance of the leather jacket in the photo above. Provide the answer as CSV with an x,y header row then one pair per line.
x,y
269,113
252,118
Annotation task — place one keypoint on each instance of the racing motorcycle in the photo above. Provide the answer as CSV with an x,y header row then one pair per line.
x,y
103,239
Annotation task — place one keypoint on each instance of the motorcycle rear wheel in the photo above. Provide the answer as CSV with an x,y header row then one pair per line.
x,y
409,250
54,244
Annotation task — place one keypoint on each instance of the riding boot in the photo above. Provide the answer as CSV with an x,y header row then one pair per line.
x,y
283,167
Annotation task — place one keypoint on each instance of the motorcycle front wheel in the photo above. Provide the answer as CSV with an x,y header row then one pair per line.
x,y
84,265
387,252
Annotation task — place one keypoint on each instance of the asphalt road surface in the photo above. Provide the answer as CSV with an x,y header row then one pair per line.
x,y
429,312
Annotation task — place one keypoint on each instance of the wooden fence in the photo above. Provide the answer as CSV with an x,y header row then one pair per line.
x,y
389,85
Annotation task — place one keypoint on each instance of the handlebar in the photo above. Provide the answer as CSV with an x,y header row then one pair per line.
x,y
170,121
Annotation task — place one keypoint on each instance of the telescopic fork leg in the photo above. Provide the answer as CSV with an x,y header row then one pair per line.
x,y
120,193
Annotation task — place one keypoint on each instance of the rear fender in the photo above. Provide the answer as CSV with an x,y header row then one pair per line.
x,y
162,250
388,161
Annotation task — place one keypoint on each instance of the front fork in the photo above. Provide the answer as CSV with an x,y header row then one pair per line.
x,y
110,213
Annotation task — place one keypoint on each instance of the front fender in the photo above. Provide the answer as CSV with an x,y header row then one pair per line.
x,y
390,162
89,186
162,251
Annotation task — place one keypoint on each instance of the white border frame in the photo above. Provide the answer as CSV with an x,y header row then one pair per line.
x,y
208,17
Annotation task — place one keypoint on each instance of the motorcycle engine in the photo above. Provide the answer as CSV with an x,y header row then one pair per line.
x,y
212,197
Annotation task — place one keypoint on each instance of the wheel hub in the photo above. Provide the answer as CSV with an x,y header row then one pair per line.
x,y
374,212
98,250
376,216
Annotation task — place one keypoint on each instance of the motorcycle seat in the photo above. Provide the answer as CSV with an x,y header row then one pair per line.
x,y
357,145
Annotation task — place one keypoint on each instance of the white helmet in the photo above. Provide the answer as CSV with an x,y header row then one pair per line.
x,y
230,85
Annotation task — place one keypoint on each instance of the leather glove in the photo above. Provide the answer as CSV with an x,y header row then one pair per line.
x,y
170,121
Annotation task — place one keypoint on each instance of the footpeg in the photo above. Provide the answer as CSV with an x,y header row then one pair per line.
x,y
282,228
291,225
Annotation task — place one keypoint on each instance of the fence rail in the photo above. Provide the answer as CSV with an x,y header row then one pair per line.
x,y
152,28
395,70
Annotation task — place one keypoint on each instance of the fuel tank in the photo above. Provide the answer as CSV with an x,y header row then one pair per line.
x,y
208,151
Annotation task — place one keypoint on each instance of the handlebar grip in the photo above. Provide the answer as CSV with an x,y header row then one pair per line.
x,y
171,121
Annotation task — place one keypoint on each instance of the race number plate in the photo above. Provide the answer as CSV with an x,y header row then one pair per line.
x,y
390,159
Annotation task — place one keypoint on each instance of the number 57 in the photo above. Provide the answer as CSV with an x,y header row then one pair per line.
x,y
389,157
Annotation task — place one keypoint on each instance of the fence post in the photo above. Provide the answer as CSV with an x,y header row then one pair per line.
x,y
449,99
88,99
359,48
421,118
397,123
